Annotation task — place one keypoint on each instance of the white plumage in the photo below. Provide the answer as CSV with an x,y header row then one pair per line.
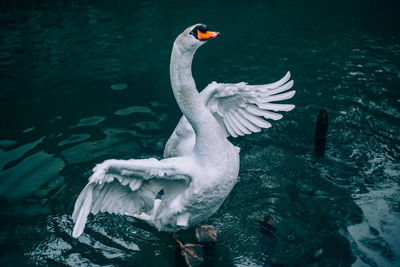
x,y
201,166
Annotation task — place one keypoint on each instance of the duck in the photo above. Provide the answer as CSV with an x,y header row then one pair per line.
x,y
200,166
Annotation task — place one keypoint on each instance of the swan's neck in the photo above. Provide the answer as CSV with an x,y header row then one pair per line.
x,y
183,84
189,99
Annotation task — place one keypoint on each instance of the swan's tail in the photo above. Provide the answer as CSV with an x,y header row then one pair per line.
x,y
82,210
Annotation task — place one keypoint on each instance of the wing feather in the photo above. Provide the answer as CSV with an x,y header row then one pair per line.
x,y
229,128
256,120
234,124
272,115
282,88
279,97
246,123
277,107
83,210
269,86
235,118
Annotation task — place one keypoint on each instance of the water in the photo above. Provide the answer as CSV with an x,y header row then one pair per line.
x,y
84,81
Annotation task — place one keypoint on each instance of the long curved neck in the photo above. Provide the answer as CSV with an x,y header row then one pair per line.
x,y
189,99
183,85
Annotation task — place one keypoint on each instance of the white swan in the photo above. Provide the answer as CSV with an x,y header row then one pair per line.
x,y
202,165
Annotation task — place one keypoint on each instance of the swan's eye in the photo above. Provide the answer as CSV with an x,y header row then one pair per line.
x,y
202,28
199,28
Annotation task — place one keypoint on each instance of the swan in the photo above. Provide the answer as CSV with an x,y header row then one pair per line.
x,y
200,165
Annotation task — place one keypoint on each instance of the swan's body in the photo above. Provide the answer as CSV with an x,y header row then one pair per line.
x,y
201,165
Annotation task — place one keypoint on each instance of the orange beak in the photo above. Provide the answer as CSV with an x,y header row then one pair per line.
x,y
207,35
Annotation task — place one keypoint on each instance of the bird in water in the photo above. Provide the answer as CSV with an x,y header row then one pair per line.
x,y
200,165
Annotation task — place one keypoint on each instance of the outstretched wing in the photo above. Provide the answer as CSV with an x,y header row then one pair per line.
x,y
127,187
242,109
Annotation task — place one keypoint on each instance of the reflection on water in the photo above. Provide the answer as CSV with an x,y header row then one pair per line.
x,y
119,86
74,139
90,121
133,109
84,82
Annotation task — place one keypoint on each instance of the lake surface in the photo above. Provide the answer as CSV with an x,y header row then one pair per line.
x,y
85,81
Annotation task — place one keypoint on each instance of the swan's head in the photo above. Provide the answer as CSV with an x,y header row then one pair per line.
x,y
195,36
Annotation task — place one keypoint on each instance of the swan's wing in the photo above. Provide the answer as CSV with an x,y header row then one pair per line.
x,y
127,187
243,109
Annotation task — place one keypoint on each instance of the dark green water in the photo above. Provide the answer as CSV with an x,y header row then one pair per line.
x,y
85,81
